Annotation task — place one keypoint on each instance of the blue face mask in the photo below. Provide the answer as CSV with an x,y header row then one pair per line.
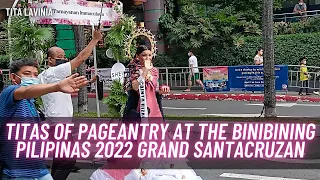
x,y
27,81
189,54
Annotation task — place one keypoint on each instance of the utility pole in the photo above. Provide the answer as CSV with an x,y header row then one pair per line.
x,y
268,45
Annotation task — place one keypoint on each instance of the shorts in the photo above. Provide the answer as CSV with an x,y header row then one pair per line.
x,y
196,76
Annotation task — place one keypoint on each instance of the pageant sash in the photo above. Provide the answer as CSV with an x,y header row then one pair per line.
x,y
143,98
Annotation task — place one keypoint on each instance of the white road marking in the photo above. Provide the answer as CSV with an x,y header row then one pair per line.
x,y
286,105
254,177
308,105
239,115
277,104
232,115
180,108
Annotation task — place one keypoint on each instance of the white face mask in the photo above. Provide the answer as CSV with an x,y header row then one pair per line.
x,y
301,3
27,81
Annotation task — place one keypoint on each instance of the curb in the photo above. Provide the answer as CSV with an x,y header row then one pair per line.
x,y
227,97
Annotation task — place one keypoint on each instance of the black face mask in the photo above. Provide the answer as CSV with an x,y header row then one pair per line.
x,y
60,61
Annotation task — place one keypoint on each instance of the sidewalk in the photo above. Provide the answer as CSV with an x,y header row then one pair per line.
x,y
230,96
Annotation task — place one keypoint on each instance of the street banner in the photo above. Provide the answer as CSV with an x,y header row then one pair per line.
x,y
76,12
250,78
216,79
104,75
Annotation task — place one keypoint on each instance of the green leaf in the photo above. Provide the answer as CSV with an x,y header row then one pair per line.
x,y
116,99
27,38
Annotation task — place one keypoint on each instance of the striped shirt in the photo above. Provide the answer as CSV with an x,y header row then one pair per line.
x,y
22,111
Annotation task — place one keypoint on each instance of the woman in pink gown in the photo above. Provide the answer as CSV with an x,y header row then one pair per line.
x,y
151,75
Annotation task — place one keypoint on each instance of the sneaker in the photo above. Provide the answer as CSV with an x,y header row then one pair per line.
x,y
300,94
308,94
316,92
187,90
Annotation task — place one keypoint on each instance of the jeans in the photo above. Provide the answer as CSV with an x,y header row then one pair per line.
x,y
46,177
61,167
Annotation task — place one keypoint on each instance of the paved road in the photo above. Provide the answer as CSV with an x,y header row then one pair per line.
x,y
231,174
225,108
232,108
239,108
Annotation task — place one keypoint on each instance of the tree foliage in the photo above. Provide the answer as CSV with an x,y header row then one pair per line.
x,y
117,99
310,25
229,33
199,25
288,50
28,40
251,10
116,37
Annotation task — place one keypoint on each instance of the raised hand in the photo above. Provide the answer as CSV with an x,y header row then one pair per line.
x,y
73,83
94,79
135,85
164,90
146,69
148,64
97,35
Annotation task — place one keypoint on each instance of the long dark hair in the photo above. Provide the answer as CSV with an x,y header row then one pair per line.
x,y
258,50
140,49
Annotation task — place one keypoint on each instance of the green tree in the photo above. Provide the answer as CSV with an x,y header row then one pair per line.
x,y
115,39
116,101
250,9
117,36
28,40
200,26
4,57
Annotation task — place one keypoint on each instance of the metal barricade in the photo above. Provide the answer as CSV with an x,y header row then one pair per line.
x,y
177,77
294,17
294,77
